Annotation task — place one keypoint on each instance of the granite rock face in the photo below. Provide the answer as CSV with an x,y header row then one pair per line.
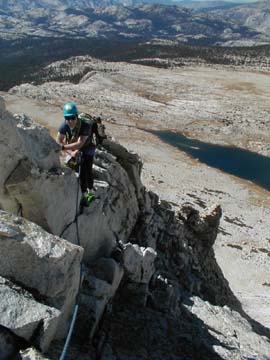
x,y
25,317
41,262
29,157
99,286
31,176
145,268
138,263
114,212
235,337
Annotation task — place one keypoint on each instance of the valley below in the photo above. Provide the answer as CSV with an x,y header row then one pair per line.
x,y
211,103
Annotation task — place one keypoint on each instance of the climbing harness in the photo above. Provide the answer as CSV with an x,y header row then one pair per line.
x,y
73,134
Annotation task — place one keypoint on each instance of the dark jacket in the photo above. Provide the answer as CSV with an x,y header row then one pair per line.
x,y
81,129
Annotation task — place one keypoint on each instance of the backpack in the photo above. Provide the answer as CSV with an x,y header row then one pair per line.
x,y
97,128
96,136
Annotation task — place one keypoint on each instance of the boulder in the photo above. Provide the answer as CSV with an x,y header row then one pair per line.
x,y
32,354
203,226
25,317
43,263
20,139
165,295
46,198
31,175
138,263
100,283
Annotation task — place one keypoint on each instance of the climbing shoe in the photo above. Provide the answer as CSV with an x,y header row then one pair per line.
x,y
86,199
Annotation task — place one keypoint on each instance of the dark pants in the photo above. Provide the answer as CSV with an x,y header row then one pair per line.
x,y
86,176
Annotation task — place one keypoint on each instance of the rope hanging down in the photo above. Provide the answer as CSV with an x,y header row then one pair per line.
x,y
76,307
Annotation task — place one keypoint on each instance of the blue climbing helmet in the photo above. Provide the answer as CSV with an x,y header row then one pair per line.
x,y
70,109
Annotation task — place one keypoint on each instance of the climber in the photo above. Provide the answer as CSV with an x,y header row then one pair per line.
x,y
76,138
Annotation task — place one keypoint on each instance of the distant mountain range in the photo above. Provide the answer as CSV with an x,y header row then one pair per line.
x,y
205,22
11,5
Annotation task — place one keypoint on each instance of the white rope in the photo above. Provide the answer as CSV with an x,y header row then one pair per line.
x,y
62,357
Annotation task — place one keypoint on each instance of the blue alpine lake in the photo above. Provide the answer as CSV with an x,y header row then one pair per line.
x,y
232,160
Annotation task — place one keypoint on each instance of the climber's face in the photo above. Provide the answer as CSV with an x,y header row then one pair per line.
x,y
71,121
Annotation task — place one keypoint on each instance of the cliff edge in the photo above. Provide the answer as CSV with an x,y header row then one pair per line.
x,y
148,283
